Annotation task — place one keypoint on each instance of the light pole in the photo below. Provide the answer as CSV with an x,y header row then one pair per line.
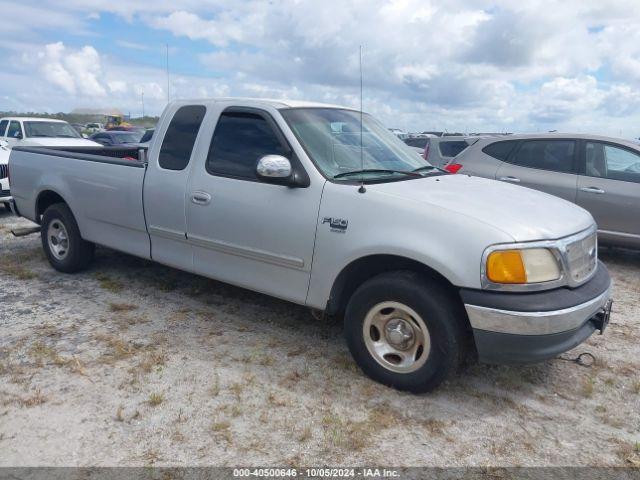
x,y
142,95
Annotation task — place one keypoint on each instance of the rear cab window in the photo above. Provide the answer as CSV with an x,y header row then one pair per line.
x,y
180,137
555,155
240,139
452,148
3,127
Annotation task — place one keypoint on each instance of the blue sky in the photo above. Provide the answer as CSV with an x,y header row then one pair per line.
x,y
496,65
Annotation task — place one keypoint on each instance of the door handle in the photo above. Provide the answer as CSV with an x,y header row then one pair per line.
x,y
592,190
510,179
200,198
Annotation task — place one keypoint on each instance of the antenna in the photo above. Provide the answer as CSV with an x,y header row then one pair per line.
x,y
361,189
168,94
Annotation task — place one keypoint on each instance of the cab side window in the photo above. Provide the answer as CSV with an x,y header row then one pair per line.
x,y
608,161
3,127
556,155
15,130
239,141
180,138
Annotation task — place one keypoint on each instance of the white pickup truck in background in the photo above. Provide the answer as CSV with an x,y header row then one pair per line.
x,y
308,203
33,131
5,195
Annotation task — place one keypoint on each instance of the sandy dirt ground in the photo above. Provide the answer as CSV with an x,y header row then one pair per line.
x,y
132,363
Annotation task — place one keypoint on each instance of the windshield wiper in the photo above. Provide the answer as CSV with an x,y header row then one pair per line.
x,y
427,167
377,170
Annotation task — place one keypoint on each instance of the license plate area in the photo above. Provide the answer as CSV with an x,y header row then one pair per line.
x,y
601,319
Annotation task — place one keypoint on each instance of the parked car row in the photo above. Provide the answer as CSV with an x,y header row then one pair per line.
x,y
439,151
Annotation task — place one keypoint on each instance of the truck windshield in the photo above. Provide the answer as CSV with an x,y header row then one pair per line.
x,y
331,137
50,129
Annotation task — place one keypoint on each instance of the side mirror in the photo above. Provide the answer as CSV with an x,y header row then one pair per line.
x,y
275,169
17,135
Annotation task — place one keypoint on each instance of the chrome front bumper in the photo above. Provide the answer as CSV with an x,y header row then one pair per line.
x,y
532,327
535,323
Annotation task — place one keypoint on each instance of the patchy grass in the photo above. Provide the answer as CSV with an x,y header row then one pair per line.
x,y
152,361
38,398
220,426
305,435
118,349
237,389
120,414
122,307
214,390
275,400
155,399
109,283
17,271
588,386
635,387
629,453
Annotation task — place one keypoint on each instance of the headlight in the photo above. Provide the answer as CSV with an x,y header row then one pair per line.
x,y
522,266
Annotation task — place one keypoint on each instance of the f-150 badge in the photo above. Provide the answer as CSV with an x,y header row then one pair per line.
x,y
338,225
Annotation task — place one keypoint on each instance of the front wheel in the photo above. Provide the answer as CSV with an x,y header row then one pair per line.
x,y
405,331
64,247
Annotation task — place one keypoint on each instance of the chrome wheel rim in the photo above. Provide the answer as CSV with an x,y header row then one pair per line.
x,y
396,337
58,239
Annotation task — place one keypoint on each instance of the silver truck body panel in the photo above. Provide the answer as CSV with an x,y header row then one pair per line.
x,y
293,243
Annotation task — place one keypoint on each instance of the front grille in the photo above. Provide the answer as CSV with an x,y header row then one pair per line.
x,y
5,193
582,258
4,171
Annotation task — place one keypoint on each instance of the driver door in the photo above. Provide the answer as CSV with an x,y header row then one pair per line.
x,y
245,231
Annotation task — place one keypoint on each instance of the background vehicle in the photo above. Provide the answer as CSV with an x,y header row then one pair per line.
x,y
600,174
439,151
147,136
296,200
25,131
94,127
5,195
115,137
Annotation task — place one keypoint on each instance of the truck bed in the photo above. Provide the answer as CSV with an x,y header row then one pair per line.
x,y
102,186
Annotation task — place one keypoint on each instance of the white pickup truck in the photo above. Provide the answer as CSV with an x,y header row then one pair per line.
x,y
323,207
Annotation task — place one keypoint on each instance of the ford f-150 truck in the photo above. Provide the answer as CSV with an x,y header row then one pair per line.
x,y
323,206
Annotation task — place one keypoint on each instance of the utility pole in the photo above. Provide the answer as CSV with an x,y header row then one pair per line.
x,y
168,93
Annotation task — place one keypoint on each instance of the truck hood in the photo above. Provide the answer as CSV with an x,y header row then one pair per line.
x,y
520,212
58,142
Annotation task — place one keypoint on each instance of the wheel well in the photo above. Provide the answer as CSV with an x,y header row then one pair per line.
x,y
45,200
358,271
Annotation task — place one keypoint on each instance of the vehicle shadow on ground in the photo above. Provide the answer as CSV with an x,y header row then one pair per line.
x,y
304,330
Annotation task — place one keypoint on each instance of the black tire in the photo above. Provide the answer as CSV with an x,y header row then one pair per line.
x,y
441,312
79,252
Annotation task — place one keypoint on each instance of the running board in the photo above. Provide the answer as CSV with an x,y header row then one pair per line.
x,y
23,232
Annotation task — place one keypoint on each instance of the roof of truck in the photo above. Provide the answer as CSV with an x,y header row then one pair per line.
x,y
273,102
33,119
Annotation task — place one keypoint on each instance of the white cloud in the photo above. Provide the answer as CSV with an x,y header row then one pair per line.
x,y
477,64
74,71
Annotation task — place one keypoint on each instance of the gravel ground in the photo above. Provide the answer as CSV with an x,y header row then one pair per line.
x,y
132,363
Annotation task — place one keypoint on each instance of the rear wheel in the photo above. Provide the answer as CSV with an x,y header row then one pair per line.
x,y
64,247
405,331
